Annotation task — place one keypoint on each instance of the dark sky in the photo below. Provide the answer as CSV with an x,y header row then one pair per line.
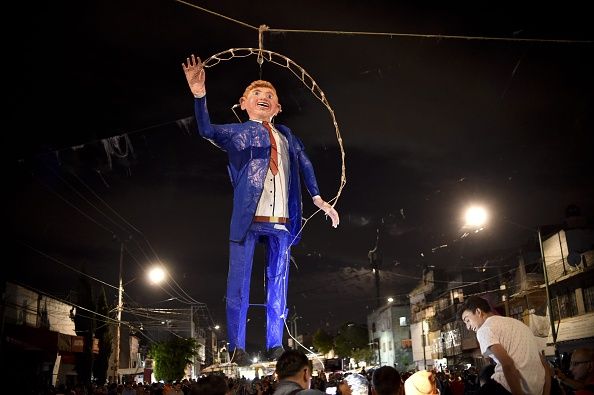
x,y
429,125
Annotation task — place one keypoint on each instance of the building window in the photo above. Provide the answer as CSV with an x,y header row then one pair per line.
x,y
589,299
384,347
517,312
390,345
373,328
564,306
403,321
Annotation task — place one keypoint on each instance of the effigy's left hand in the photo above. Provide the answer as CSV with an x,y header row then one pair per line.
x,y
328,210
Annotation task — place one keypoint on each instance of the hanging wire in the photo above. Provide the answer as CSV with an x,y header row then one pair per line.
x,y
388,34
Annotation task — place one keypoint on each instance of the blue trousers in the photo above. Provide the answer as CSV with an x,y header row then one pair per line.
x,y
278,242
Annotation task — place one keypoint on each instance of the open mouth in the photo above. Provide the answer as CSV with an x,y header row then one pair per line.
x,y
263,104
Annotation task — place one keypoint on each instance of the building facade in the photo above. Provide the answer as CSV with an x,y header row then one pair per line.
x,y
39,345
389,335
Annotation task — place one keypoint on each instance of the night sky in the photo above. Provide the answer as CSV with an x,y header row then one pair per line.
x,y
429,125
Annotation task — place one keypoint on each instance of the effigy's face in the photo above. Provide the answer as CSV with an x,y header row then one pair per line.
x,y
261,104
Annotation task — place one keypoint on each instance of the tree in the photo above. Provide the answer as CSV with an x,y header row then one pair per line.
x,y
323,341
363,354
350,338
172,356
102,333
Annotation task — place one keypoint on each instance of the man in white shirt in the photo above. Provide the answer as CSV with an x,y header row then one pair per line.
x,y
511,344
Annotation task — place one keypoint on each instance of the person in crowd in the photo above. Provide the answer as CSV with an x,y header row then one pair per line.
x,y
386,381
129,388
511,344
442,380
293,371
405,375
421,383
456,384
210,385
266,165
486,373
354,384
582,372
175,389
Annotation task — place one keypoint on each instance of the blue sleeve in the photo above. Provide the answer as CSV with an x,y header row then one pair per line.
x,y
219,135
306,167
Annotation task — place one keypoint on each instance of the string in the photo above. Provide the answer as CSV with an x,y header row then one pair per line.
x,y
389,34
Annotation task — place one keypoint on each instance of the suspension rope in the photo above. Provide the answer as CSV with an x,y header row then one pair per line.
x,y
389,34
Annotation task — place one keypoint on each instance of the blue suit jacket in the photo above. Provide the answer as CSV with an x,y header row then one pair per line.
x,y
248,148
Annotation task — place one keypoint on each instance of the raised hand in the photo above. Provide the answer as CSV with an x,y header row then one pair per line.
x,y
194,70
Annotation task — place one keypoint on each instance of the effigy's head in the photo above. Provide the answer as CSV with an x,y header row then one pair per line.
x,y
260,101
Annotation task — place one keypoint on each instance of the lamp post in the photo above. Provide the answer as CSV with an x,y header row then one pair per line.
x,y
424,344
116,357
477,216
156,275
546,280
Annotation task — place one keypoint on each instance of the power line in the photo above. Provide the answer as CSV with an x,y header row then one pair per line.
x,y
385,34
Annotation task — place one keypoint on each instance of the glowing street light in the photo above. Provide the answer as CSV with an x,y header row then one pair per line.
x,y
390,299
476,217
156,275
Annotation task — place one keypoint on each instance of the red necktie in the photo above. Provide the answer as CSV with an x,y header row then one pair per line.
x,y
273,149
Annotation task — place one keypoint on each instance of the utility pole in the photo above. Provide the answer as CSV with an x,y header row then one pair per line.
x,y
424,344
193,337
374,261
548,293
293,321
116,358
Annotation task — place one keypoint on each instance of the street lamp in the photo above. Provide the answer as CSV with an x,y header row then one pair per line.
x,y
156,275
476,216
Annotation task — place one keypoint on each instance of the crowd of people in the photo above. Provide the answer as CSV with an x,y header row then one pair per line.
x,y
294,375
517,367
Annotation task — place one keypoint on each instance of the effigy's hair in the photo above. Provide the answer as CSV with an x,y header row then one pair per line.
x,y
258,84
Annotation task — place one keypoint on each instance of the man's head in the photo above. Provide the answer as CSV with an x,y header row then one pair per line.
x,y
386,381
260,101
474,311
293,365
582,364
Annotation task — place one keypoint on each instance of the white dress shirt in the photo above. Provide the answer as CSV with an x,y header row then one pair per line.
x,y
274,199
